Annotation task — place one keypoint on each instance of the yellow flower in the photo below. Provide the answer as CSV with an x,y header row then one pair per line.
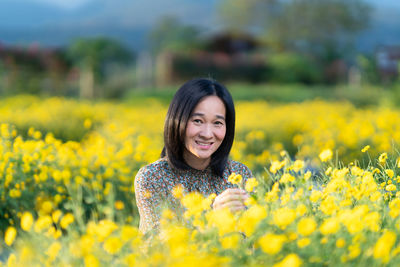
x,y
129,232
26,221
223,220
250,219
301,209
12,260
326,155
276,166
53,250
87,124
286,178
315,195
119,205
177,238
365,149
291,260
298,165
390,187
303,242
382,158
283,217
357,171
10,235
47,207
384,245
307,175
271,243
328,171
178,191
101,230
66,220
235,178
251,184
329,226
324,240
376,170
112,245
389,173
91,261
130,260
394,208
56,215
340,243
43,223
328,205
230,241
306,226
195,203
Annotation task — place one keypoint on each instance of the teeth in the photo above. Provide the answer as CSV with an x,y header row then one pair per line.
x,y
200,143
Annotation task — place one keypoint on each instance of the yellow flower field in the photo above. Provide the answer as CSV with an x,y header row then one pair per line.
x,y
324,193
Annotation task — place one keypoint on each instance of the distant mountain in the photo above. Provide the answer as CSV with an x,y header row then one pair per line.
x,y
23,21
384,29
26,21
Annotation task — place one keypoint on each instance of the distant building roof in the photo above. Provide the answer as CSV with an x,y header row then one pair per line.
x,y
388,59
231,43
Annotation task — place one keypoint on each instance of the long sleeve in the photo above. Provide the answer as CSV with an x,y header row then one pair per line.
x,y
240,168
148,200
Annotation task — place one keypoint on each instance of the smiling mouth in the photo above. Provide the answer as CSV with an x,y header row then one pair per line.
x,y
204,144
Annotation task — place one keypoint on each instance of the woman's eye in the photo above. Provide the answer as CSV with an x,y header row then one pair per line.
x,y
218,123
197,121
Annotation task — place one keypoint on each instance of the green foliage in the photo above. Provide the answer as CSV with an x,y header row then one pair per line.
x,y
170,34
310,26
64,119
98,52
369,71
291,68
95,57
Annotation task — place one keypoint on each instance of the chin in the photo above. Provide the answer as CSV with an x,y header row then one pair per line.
x,y
203,156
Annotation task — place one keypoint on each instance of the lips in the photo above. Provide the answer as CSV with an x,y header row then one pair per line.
x,y
204,145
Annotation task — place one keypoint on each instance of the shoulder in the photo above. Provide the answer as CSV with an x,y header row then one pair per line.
x,y
154,172
239,168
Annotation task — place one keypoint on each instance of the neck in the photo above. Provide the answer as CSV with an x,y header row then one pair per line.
x,y
194,162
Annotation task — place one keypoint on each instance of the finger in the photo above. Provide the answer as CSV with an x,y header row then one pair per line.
x,y
233,204
233,191
234,194
236,209
232,197
233,210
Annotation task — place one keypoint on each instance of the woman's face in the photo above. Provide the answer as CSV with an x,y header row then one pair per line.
x,y
205,132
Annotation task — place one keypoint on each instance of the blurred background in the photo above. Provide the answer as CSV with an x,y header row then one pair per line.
x,y
281,50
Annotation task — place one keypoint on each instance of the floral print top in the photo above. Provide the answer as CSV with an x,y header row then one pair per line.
x,y
154,183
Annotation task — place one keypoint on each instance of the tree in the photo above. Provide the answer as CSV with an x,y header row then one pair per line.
x,y
325,28
170,34
93,56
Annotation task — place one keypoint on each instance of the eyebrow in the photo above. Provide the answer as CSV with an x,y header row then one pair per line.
x,y
202,115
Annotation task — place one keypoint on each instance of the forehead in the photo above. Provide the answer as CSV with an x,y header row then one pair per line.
x,y
210,105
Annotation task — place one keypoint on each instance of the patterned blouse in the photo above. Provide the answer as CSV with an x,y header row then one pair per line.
x,y
154,182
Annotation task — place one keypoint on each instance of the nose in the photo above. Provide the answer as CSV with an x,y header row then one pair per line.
x,y
206,131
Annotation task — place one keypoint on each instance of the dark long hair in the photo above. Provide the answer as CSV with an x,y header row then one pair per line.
x,y
179,111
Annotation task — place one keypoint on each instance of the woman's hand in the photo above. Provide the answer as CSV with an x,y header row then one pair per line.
x,y
233,198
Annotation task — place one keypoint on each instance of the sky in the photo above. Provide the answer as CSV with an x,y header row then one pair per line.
x,y
138,13
69,5
20,13
57,22
72,4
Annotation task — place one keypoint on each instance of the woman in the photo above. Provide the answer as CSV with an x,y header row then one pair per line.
x,y
198,135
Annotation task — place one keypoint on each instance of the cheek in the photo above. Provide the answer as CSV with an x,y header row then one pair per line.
x,y
221,134
190,132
